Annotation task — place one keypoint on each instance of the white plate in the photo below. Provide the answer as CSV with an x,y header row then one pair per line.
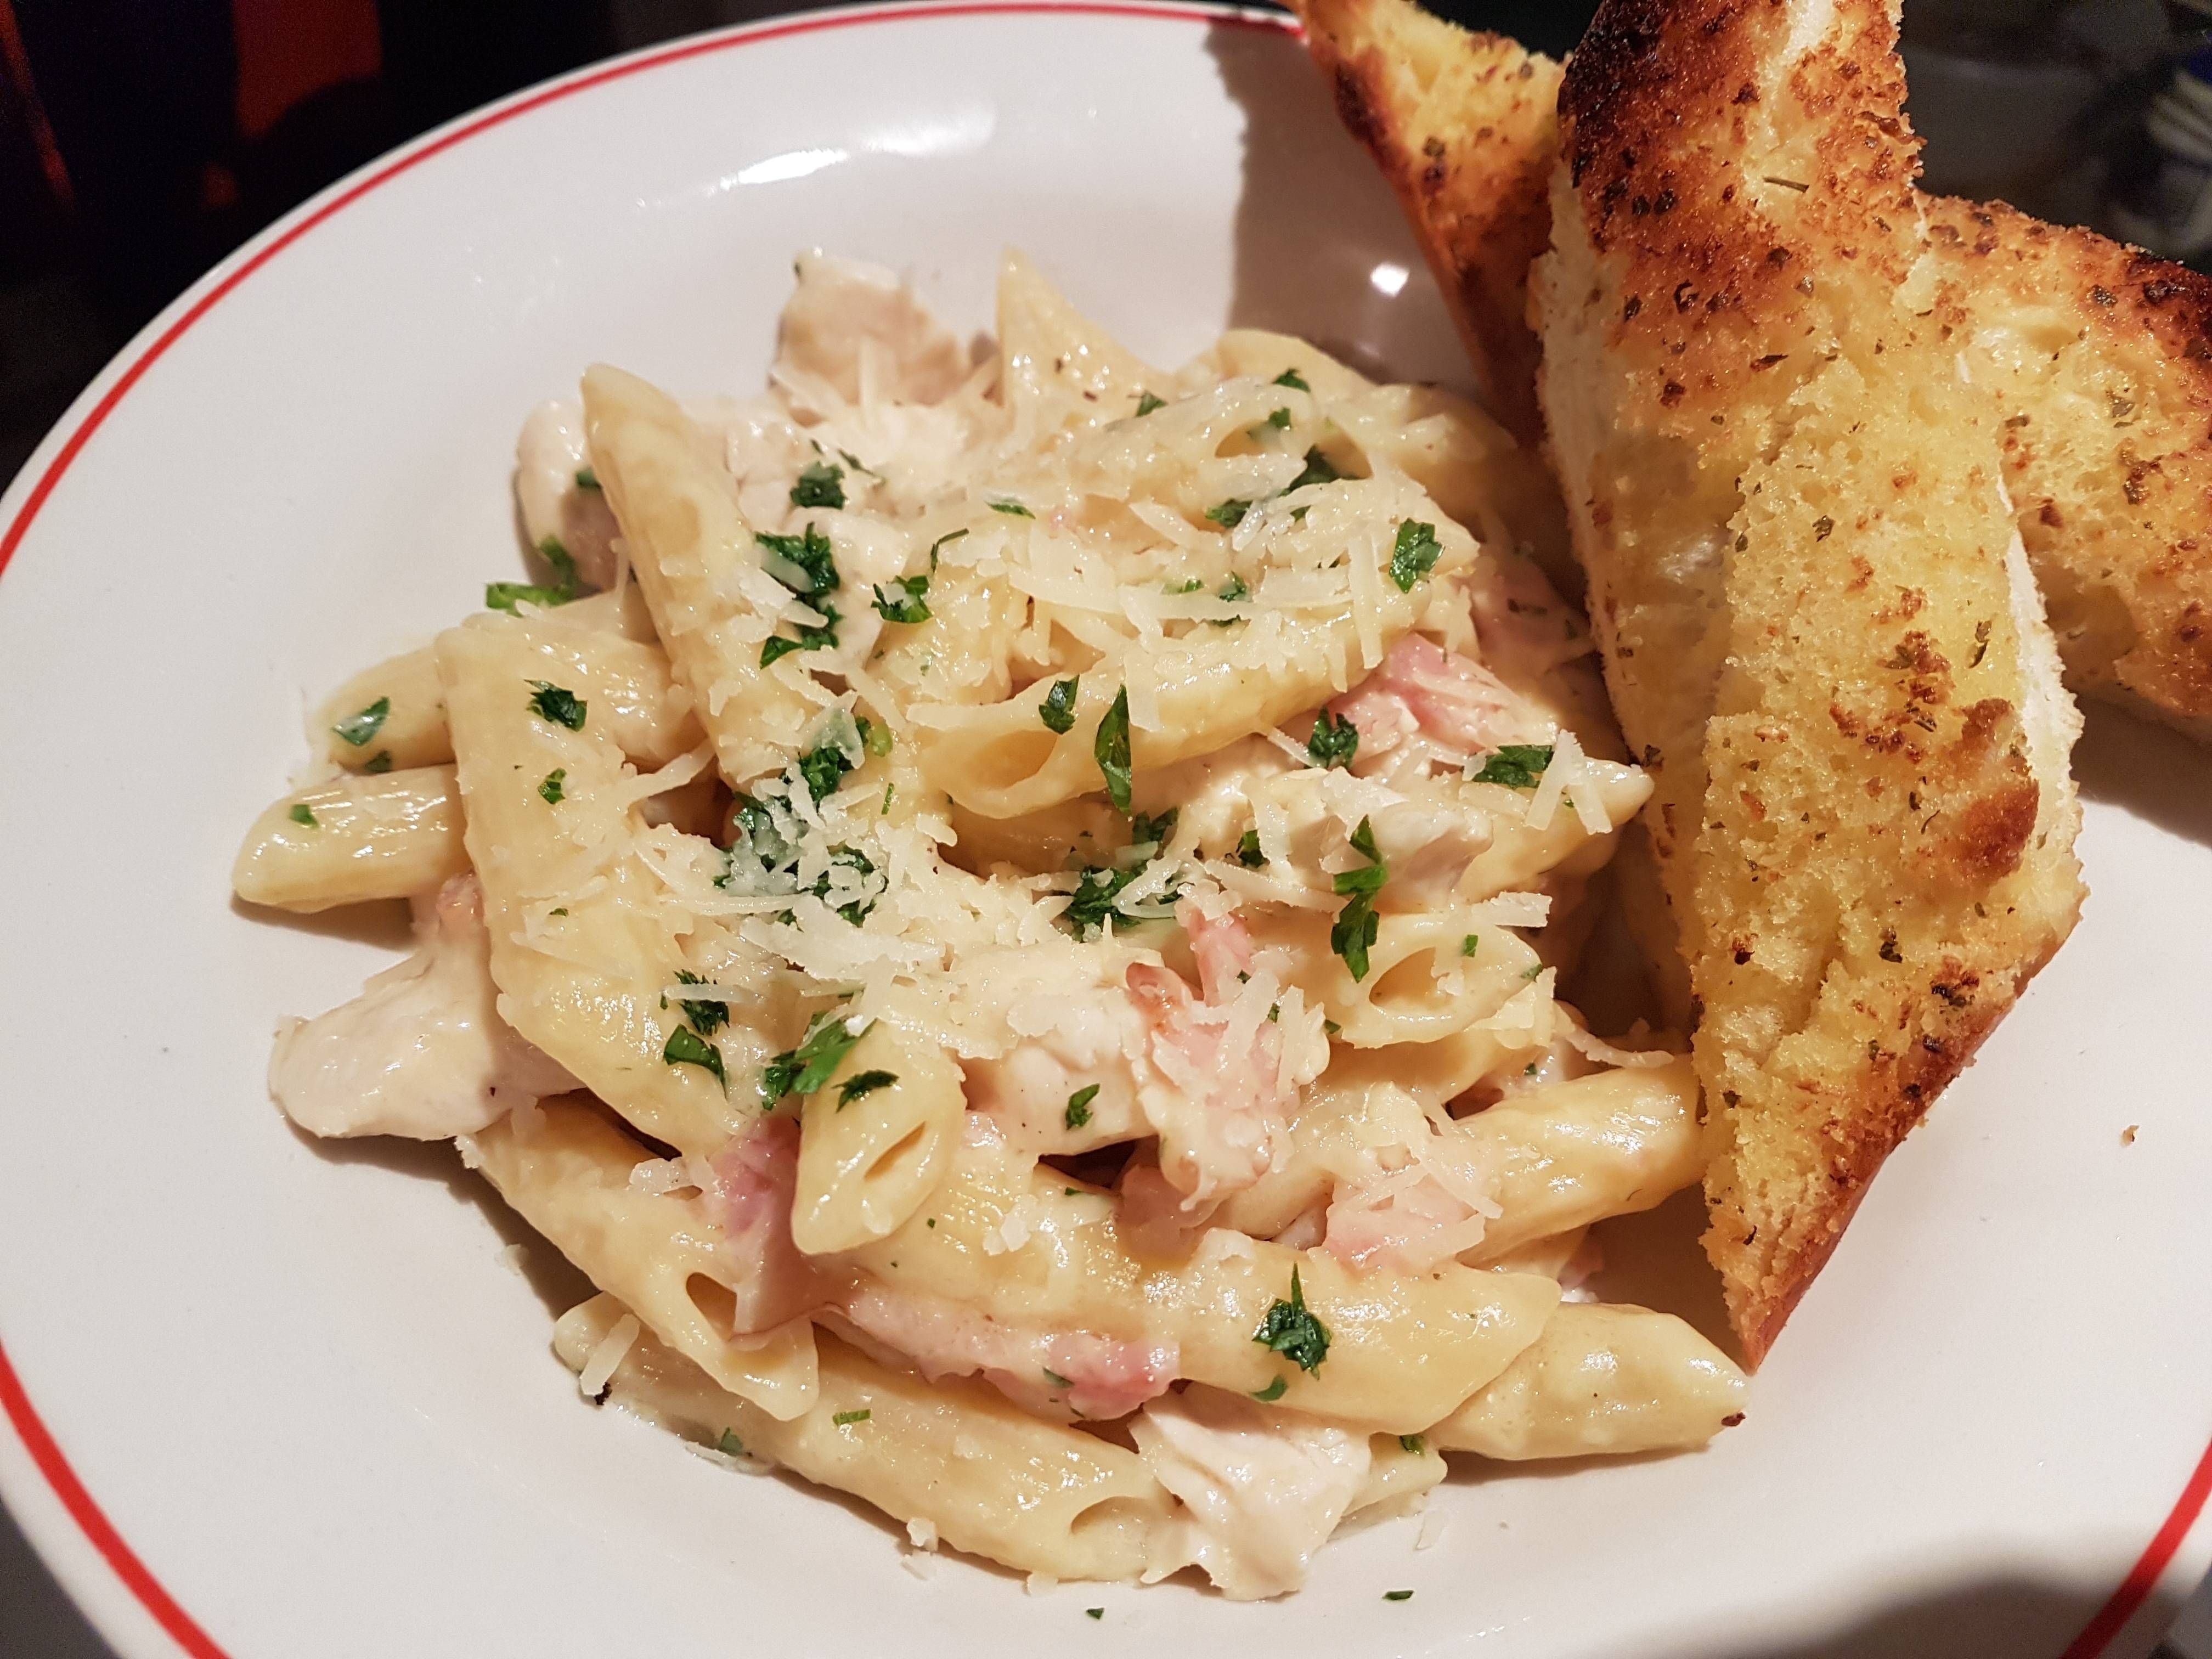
x,y
276,1401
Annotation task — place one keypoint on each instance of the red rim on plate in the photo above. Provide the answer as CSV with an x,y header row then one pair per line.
x,y
45,1452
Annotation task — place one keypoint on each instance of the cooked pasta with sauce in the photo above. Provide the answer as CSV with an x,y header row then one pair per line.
x,y
1015,937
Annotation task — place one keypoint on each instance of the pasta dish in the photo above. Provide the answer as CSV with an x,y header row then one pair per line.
x,y
1006,907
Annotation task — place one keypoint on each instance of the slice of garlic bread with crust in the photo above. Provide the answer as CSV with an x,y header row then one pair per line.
x,y
2100,359
1464,127
1817,625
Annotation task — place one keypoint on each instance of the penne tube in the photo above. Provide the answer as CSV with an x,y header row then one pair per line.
x,y
353,839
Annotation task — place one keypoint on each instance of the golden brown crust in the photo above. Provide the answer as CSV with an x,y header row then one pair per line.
x,y
2099,357
1811,623
1477,192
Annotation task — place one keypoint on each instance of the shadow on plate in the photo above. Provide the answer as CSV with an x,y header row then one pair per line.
x,y
2008,1618
2152,773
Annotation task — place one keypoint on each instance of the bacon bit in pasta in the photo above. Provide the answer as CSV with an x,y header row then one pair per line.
x,y
359,727
822,484
754,1178
304,814
557,705
1111,751
1290,1330
685,1046
1057,711
1450,699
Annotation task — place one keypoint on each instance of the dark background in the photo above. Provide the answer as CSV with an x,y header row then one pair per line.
x,y
141,140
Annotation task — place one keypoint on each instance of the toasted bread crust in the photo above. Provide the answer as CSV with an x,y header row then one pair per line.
x,y
1814,624
1478,193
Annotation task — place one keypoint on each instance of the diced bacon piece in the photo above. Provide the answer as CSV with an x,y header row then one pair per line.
x,y
422,1052
1073,1373
1408,1222
1454,701
754,1177
1222,947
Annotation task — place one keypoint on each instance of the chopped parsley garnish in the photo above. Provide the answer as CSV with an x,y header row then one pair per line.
x,y
903,599
1192,586
1147,403
303,813
1094,901
1057,711
875,739
948,536
557,705
1230,514
803,1070
1415,1444
1333,742
1111,751
1094,1612
1397,1595
1279,419
1357,925
803,564
821,485
379,763
1079,1105
824,767
1332,1028
685,1046
810,638
1235,590
506,596
552,787
586,479
563,911
1292,378
842,1418
1317,471
1518,765
1272,1392
1293,1332
1054,1377
852,858
729,1445
862,1083
1147,830
359,727
1013,509
705,1017
1534,970
1247,850
1414,555
1468,945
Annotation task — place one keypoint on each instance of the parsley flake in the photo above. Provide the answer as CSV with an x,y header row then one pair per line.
x,y
1518,765
1414,555
1079,1105
1333,742
1415,1444
803,564
822,484
705,1017
729,1445
1293,1332
303,813
1317,471
1234,591
1279,419
1230,514
1247,850
1147,830
1292,378
1397,1595
1057,711
824,766
1357,926
1272,1392
685,1046
861,1084
1147,403
557,705
552,788
379,763
1111,751
359,727
586,479
903,599
843,1418
1054,1377
1012,509
1094,1612
1467,946
506,596
803,1070
948,536
1094,902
